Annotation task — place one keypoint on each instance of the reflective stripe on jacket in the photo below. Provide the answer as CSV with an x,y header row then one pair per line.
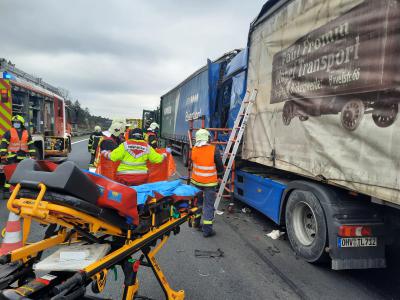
x,y
133,155
204,172
17,144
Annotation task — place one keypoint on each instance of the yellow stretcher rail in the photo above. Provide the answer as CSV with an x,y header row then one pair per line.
x,y
75,225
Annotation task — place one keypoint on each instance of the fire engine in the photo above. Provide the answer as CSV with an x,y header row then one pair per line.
x,y
42,107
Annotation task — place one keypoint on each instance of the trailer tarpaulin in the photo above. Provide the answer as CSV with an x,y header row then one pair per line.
x,y
236,70
328,92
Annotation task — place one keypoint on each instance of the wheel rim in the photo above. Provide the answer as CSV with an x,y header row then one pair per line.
x,y
304,223
352,114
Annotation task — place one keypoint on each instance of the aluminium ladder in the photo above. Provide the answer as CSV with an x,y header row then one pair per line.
x,y
234,140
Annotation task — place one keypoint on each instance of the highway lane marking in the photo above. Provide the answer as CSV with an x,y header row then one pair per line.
x,y
79,141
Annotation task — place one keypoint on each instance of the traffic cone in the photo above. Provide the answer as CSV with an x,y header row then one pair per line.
x,y
13,236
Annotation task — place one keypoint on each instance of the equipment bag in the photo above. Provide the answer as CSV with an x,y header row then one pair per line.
x,y
117,196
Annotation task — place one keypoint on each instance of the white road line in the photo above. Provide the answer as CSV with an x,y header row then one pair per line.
x,y
79,141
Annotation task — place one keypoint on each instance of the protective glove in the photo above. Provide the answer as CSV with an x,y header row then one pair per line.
x,y
168,149
105,153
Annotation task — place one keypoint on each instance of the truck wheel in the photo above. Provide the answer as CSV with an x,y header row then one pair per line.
x,y
287,113
306,226
384,114
352,113
185,155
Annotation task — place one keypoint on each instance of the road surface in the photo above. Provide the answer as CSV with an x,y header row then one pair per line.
x,y
253,266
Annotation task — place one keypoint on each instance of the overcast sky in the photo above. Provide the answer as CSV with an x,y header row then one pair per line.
x,y
118,57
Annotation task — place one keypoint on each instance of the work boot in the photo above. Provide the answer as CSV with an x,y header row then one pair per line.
x,y
208,231
207,234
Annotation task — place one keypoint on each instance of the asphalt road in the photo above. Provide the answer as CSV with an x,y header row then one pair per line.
x,y
253,266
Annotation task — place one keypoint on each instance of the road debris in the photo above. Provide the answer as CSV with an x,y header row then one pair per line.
x,y
231,208
208,253
273,250
275,234
246,210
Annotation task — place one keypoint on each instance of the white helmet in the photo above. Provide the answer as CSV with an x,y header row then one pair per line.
x,y
202,135
97,128
117,128
154,126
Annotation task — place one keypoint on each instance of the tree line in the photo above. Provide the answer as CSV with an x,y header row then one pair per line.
x,y
82,119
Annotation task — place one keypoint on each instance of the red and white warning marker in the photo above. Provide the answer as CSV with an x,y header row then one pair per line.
x,y
13,236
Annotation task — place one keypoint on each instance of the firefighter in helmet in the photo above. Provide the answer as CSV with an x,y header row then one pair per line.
x,y
206,167
151,135
108,142
93,143
17,143
133,155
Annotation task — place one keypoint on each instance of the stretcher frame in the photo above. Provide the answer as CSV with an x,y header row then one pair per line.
x,y
69,220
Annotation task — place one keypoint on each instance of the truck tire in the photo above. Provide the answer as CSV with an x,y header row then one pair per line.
x,y
306,226
185,155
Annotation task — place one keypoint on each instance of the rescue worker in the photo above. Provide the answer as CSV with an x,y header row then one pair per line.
x,y
133,155
151,135
127,129
93,143
108,142
17,143
206,167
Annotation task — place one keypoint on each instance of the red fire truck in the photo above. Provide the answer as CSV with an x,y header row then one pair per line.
x,y
42,107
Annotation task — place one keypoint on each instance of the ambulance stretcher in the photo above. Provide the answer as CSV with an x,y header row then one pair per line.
x,y
63,201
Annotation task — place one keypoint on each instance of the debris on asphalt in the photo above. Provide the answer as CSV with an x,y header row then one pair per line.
x,y
273,250
219,212
275,234
246,210
180,250
204,275
208,253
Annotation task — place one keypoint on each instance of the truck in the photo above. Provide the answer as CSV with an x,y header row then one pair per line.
x,y
42,107
332,183
150,116
205,94
134,122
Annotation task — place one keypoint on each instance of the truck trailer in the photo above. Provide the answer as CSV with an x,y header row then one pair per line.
x,y
42,107
206,94
333,182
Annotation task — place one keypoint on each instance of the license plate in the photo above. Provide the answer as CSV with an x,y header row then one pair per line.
x,y
357,242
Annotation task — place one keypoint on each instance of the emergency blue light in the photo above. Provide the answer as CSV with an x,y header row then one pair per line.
x,y
6,75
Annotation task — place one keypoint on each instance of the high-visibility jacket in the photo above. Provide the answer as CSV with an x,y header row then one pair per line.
x,y
204,171
16,144
151,138
133,156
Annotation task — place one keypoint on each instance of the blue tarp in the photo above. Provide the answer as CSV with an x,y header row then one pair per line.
x,y
237,67
166,188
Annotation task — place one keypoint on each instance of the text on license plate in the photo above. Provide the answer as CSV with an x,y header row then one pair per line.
x,y
357,242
